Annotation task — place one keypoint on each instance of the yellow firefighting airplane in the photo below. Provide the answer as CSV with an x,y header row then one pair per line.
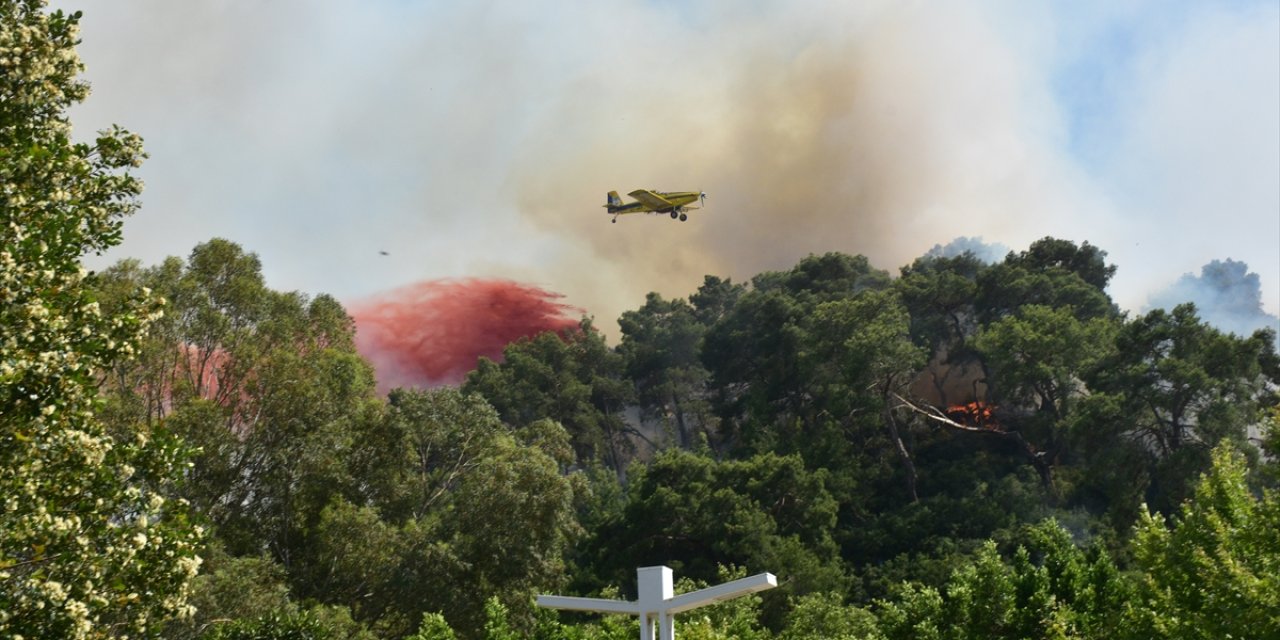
x,y
654,202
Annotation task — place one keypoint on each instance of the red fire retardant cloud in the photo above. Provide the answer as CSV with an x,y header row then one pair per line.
x,y
434,332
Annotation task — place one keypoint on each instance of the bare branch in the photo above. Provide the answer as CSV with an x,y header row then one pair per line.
x,y
932,413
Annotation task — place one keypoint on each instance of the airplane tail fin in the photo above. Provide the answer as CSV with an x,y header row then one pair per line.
x,y
614,200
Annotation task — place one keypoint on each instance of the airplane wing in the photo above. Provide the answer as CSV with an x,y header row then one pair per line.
x,y
650,199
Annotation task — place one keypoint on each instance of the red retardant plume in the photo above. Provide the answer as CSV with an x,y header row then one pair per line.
x,y
434,332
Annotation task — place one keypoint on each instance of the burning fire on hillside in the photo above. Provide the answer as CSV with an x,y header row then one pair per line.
x,y
974,414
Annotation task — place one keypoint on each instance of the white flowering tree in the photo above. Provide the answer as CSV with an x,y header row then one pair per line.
x,y
88,546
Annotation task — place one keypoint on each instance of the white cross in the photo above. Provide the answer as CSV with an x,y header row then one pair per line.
x,y
658,602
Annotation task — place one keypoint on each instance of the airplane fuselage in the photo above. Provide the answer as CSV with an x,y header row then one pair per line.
x,y
630,207
678,200
649,201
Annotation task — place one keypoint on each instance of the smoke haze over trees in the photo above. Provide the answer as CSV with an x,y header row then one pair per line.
x,y
1226,294
985,252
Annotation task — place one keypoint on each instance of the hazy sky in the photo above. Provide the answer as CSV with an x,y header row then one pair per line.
x,y
479,138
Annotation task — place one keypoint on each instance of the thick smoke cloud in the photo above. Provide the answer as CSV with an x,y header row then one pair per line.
x,y
873,128
479,139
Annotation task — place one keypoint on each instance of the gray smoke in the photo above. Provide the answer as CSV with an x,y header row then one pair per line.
x,y
869,128
1226,294
989,253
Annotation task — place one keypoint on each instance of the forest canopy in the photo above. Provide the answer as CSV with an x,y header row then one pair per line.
x,y
963,449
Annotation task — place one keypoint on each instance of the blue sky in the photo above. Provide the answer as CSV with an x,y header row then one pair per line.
x,y
1109,47
478,139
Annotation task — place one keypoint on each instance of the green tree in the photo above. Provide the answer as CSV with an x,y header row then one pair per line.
x,y
433,627
1214,570
232,589
694,514
865,344
365,505
734,619
715,298
1051,272
446,495
513,522
1043,317
351,557
1085,261
1176,387
221,332
660,347
575,380
757,354
89,544
414,455
265,383
823,616
273,626
496,626
939,295
1037,356
753,356
1049,589
1270,445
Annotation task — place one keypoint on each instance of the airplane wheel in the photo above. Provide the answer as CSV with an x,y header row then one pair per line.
x,y
615,221
683,217
674,215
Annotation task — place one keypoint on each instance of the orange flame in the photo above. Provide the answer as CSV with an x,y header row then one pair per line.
x,y
975,414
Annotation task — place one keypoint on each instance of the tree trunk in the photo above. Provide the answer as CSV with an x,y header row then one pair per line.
x,y
892,424
682,427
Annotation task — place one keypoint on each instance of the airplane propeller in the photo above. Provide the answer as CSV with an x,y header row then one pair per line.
x,y
703,196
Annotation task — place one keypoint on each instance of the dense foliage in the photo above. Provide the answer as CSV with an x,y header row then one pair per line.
x,y
963,450
90,541
817,423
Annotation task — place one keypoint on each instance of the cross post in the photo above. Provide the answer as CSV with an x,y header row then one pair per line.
x,y
657,603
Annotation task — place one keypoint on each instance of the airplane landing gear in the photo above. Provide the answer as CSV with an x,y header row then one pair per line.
x,y
615,221
674,215
684,217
